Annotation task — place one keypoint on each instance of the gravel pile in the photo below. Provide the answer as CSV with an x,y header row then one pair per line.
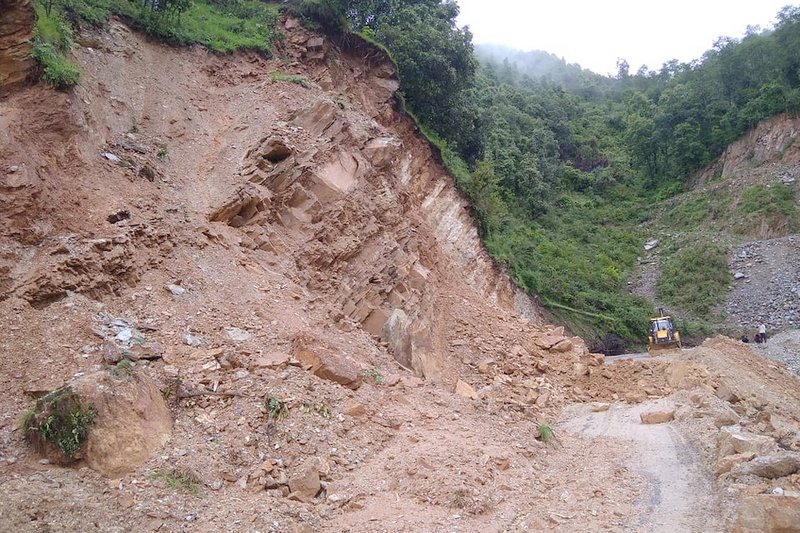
x,y
766,284
783,347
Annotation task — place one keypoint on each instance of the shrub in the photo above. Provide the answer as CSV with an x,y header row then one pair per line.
x,y
57,70
545,432
60,423
372,374
277,409
458,499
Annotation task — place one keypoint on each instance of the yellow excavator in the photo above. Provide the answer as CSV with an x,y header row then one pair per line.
x,y
663,335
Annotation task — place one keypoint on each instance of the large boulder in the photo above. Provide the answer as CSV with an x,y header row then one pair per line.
x,y
767,513
733,439
132,423
773,466
115,420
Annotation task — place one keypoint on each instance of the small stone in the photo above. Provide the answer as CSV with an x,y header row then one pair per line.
x,y
465,389
563,346
725,464
237,335
306,486
739,275
354,409
657,416
12,169
192,340
112,157
598,407
271,360
176,290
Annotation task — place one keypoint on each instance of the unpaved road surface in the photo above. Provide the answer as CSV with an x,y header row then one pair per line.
x,y
679,493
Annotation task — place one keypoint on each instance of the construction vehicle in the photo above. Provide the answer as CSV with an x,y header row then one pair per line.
x,y
663,335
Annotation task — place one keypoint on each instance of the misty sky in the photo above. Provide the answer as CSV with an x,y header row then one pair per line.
x,y
594,33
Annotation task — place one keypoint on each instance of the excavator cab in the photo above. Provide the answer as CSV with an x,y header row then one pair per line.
x,y
663,335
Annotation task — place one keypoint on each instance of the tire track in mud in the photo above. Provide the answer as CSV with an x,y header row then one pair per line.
x,y
678,494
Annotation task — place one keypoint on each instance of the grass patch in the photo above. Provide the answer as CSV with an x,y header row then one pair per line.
x,y
291,78
123,369
52,39
58,71
59,424
179,480
221,26
695,279
277,409
52,28
776,205
545,432
372,374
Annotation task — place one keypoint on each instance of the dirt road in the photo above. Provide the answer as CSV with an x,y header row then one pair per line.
x,y
679,493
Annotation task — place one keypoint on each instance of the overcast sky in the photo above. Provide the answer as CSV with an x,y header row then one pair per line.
x,y
594,33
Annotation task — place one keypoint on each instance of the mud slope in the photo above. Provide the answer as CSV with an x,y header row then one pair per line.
x,y
289,265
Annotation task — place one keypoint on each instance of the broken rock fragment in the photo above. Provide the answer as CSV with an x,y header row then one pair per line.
x,y
306,486
657,416
323,362
465,389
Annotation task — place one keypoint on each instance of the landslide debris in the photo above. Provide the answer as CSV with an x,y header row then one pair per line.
x,y
308,294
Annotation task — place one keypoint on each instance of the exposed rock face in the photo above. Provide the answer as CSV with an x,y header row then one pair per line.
x,y
16,30
367,213
769,140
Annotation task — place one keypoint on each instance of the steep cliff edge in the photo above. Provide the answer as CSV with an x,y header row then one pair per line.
x,y
324,175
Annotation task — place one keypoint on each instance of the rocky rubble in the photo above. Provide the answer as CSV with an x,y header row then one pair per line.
x,y
766,286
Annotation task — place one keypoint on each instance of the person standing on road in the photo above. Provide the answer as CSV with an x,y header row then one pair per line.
x,y
762,331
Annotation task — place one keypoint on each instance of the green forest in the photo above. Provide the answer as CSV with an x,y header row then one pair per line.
x,y
564,168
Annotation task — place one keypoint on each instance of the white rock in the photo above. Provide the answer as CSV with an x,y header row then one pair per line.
x,y
177,290
237,335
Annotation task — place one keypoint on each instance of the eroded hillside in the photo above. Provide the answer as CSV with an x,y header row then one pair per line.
x,y
292,272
